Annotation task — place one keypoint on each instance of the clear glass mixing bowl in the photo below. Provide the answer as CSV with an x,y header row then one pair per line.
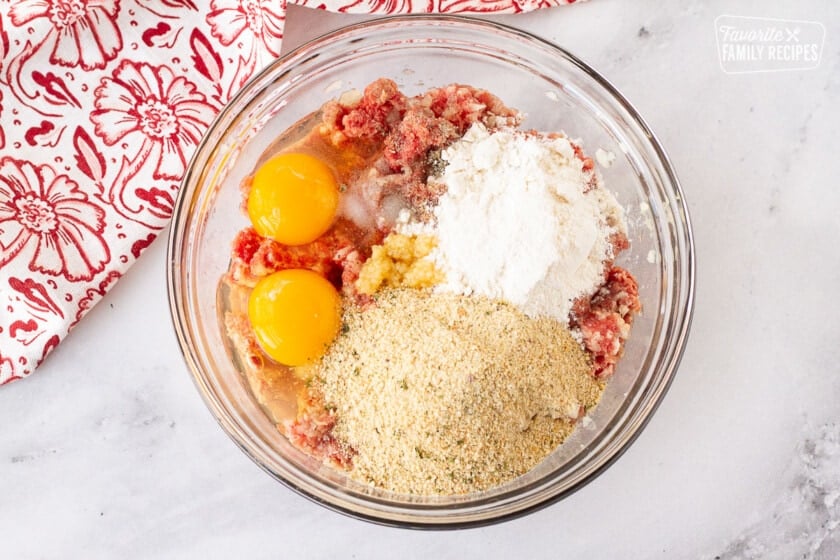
x,y
555,91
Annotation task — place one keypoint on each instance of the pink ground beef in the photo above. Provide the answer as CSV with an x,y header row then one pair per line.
x,y
604,320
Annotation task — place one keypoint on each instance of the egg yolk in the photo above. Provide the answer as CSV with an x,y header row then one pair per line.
x,y
293,199
295,315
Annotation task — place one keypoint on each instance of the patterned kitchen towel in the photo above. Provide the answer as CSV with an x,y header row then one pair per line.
x,y
102,103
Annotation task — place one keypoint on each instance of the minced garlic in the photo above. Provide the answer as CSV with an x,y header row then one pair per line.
x,y
400,262
447,394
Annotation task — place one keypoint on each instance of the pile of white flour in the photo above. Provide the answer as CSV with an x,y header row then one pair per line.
x,y
516,224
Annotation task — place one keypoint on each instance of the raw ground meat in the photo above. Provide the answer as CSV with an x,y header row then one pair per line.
x,y
370,117
254,256
605,319
311,432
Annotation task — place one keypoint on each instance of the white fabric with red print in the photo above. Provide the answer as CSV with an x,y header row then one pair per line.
x,y
102,103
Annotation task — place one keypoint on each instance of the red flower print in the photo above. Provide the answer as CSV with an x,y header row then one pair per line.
x,y
4,48
84,32
149,104
250,19
2,134
49,215
7,371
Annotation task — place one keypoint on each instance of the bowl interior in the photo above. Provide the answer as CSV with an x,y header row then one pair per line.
x,y
556,92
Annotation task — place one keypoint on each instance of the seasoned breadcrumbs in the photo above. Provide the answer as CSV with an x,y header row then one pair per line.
x,y
447,394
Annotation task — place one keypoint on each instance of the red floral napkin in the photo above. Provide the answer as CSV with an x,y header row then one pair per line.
x,y
102,103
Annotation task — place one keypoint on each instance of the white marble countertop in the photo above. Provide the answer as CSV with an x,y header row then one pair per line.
x,y
108,450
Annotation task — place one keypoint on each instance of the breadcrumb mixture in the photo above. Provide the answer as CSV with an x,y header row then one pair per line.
x,y
446,394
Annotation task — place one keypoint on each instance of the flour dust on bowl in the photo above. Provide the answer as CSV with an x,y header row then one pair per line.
x,y
431,271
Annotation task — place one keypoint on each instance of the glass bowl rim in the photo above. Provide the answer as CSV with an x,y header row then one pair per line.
x,y
178,234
